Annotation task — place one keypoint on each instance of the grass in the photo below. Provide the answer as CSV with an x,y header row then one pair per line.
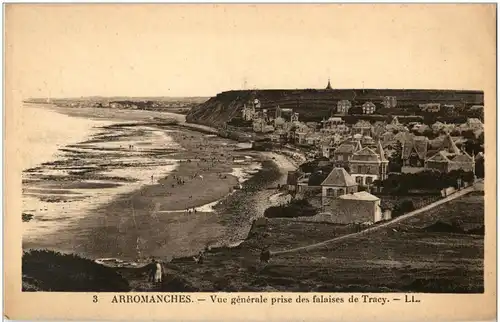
x,y
406,259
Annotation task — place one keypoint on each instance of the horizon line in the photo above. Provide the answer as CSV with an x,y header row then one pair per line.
x,y
258,89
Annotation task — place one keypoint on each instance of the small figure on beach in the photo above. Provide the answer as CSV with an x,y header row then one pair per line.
x,y
152,178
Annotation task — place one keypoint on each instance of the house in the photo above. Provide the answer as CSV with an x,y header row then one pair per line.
x,y
313,138
278,136
335,125
401,137
343,107
449,157
389,101
387,137
368,165
430,107
260,126
396,126
338,183
368,108
299,133
378,128
448,109
362,127
368,141
280,123
248,112
358,207
474,124
292,180
344,152
414,151
446,162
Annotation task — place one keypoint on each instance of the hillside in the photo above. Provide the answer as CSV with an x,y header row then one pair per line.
x,y
313,104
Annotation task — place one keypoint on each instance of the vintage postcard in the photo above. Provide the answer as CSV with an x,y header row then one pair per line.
x,y
250,162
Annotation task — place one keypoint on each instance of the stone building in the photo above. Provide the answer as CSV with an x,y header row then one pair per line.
x,y
358,207
368,165
338,183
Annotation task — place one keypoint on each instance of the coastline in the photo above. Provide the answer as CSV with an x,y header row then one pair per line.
x,y
152,217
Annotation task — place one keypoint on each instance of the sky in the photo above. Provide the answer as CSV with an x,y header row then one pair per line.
x,y
201,50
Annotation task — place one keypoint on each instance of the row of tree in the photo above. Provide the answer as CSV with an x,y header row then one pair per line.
x,y
428,180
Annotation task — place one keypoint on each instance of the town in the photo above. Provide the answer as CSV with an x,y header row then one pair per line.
x,y
363,165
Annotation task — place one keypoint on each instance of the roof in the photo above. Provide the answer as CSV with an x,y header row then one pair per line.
x,y
345,148
402,136
461,158
365,154
441,156
340,178
380,151
449,145
362,123
418,144
474,120
362,195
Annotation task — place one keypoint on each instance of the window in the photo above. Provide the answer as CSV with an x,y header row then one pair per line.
x,y
369,180
359,180
330,192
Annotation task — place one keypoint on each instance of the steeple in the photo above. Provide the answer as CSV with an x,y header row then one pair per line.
x,y
329,86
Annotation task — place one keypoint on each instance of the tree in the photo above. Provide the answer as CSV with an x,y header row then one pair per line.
x,y
355,110
395,160
479,168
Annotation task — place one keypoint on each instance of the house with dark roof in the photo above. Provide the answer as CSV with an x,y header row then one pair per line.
x,y
414,151
338,183
449,157
368,165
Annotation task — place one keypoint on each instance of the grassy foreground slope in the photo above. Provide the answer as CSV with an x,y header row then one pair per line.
x,y
417,255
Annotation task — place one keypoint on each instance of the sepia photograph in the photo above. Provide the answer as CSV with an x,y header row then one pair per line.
x,y
250,150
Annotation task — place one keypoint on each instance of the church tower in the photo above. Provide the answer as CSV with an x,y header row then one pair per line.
x,y
329,86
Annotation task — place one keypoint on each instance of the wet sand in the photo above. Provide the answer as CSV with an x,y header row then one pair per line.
x,y
149,218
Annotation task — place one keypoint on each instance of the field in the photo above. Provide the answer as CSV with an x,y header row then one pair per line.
x,y
402,258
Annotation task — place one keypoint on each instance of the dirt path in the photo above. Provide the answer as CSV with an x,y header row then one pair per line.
x,y
384,225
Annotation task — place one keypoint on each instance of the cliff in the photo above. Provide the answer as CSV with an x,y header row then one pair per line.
x,y
313,104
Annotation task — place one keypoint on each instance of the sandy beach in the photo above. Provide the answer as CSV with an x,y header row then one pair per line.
x,y
124,192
